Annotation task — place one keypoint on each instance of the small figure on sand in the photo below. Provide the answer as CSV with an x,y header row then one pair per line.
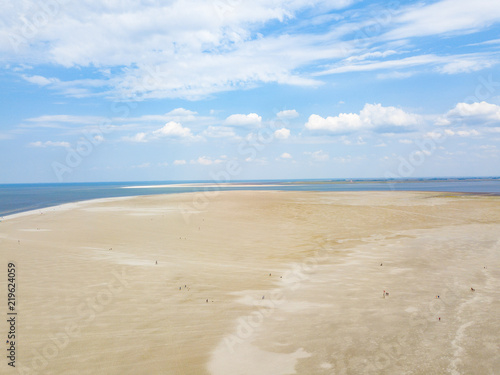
x,y
380,264
263,297
472,289
207,300
269,274
439,318
156,262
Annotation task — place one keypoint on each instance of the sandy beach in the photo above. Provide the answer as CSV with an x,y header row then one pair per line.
x,y
257,282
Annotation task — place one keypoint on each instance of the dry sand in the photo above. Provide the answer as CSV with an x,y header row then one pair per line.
x,y
294,284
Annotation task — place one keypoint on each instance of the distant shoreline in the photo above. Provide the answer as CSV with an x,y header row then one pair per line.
x,y
21,198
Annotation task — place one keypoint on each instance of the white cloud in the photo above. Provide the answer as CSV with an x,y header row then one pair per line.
x,y
78,88
318,155
287,114
282,133
286,155
462,133
49,144
173,129
179,162
371,117
219,132
205,160
444,17
378,116
467,133
466,65
244,120
194,48
139,137
479,114
406,141
482,110
39,80
142,166
67,119
395,75
188,49
450,64
344,122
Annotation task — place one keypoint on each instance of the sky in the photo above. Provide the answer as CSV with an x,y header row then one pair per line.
x,y
229,90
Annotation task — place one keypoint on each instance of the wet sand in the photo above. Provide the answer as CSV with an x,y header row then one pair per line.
x,y
294,284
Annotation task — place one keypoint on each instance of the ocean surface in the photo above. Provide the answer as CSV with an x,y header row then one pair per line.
x,y
15,198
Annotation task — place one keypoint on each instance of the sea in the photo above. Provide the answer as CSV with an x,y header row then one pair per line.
x,y
16,198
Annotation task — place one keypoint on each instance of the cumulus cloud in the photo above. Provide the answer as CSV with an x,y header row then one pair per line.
x,y
371,117
282,133
219,132
287,114
139,137
318,155
286,155
205,160
173,129
481,114
482,110
243,120
49,144
179,162
462,133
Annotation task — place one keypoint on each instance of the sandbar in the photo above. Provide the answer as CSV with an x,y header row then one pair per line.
x,y
257,282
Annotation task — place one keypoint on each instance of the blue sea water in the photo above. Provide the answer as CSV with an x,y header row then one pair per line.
x,y
15,198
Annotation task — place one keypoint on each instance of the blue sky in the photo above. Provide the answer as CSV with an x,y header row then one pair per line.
x,y
232,89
